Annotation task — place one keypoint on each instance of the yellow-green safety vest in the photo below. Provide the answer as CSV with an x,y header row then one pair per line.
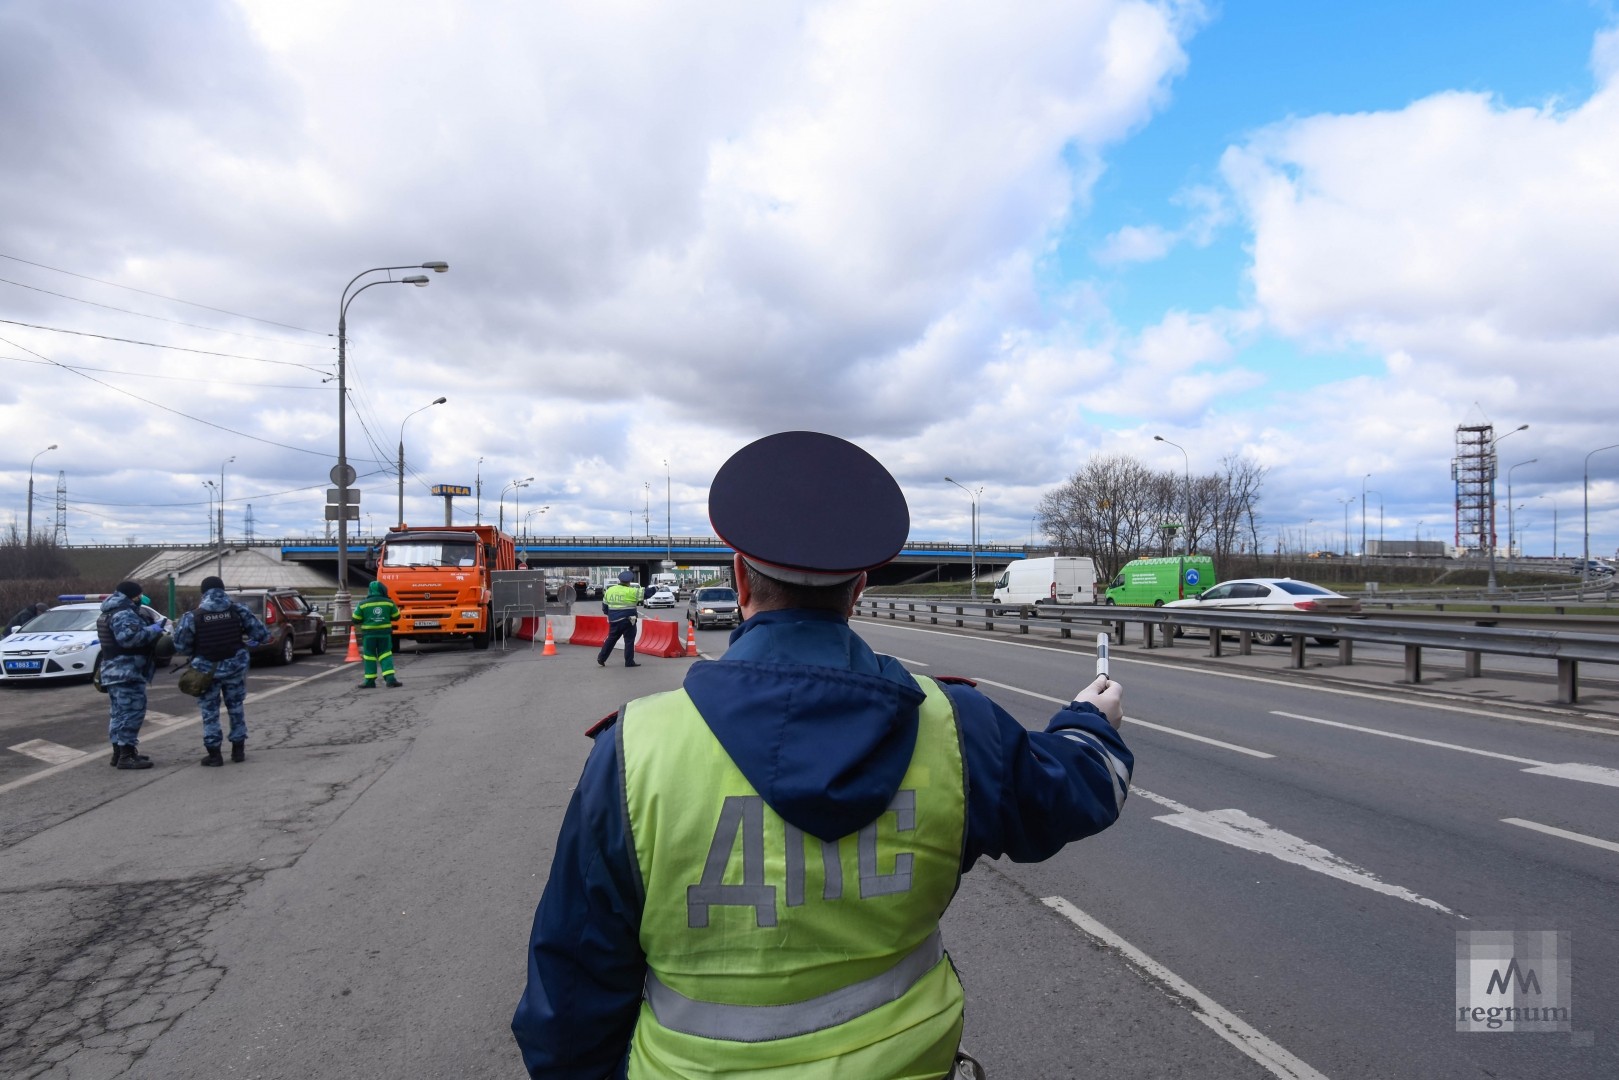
x,y
771,953
622,596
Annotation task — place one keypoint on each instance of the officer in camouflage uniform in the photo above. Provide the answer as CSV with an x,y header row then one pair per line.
x,y
127,643
374,619
217,636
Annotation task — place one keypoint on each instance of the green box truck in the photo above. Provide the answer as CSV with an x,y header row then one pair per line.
x,y
1155,582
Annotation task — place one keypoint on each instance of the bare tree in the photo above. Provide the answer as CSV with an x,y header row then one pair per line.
x,y
1114,509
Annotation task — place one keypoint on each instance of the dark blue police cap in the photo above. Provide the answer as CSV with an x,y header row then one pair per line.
x,y
808,508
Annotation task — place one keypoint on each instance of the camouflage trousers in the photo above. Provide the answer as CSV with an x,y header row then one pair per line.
x,y
126,711
233,692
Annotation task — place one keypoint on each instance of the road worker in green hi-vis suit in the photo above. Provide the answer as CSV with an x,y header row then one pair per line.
x,y
374,619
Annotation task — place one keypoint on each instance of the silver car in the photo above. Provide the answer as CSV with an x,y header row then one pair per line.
x,y
713,606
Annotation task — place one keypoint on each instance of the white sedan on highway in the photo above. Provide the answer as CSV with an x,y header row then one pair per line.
x,y
1283,596
60,644
660,598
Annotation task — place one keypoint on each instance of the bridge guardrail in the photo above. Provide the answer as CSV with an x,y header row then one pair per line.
x,y
1567,648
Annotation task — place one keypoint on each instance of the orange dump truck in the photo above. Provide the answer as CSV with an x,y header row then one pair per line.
x,y
440,578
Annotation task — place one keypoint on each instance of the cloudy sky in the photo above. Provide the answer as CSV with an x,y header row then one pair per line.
x,y
984,241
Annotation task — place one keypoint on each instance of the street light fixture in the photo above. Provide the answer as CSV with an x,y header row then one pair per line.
x,y
28,541
973,495
1553,499
1585,565
343,475
212,488
1186,526
219,565
1379,494
429,405
526,534
512,487
1510,532
1492,587
1346,500
668,520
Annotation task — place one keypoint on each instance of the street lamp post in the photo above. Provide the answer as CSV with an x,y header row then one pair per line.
x,y
219,565
1553,499
429,405
28,540
526,533
1363,480
209,484
1492,587
1346,500
343,475
1585,564
512,487
1379,494
1186,526
1510,532
972,495
477,513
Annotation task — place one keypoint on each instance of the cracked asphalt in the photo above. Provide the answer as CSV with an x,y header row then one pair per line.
x,y
188,922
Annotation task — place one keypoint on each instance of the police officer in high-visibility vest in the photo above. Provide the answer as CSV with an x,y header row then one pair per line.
x,y
752,868
620,603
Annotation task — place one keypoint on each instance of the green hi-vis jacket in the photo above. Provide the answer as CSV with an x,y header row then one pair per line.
x,y
777,953
375,614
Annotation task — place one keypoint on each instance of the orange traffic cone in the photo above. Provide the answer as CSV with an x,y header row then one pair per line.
x,y
550,642
691,640
354,649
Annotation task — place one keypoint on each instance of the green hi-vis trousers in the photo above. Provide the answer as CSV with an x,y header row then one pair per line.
x,y
377,653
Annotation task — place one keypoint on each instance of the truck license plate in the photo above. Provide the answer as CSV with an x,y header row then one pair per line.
x,y
426,624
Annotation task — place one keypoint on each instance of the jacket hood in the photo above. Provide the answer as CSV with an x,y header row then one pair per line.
x,y
118,600
215,600
376,589
820,725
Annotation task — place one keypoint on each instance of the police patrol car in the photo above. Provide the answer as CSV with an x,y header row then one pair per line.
x,y
61,643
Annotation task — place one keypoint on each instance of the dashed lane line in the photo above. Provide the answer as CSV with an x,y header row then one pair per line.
x,y
1551,830
1132,720
1572,770
1222,1021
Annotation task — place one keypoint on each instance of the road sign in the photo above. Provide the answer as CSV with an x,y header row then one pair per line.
x,y
342,474
352,515
332,495
451,489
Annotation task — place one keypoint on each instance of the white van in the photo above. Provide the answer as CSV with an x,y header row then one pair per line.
x,y
1055,579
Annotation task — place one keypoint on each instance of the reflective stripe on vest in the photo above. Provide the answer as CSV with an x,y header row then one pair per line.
x,y
775,951
759,1023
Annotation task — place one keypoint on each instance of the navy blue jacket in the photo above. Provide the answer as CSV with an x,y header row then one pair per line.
x,y
823,728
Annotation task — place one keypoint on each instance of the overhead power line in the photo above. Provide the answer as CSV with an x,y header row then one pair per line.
x,y
160,296
156,345
169,378
174,322
159,405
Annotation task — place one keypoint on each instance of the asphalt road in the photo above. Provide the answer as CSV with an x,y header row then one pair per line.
x,y
1281,898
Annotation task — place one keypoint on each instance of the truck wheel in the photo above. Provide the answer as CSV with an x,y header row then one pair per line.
x,y
480,640
1157,603
1108,602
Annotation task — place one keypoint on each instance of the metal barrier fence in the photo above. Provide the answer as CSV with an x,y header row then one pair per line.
x,y
1568,648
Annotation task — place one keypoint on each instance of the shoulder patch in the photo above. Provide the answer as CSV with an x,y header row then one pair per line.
x,y
959,680
602,725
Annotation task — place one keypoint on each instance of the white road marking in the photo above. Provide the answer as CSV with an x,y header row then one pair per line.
x,y
1590,774
913,663
1492,714
1133,720
44,750
1224,1023
1241,830
1579,838
173,724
